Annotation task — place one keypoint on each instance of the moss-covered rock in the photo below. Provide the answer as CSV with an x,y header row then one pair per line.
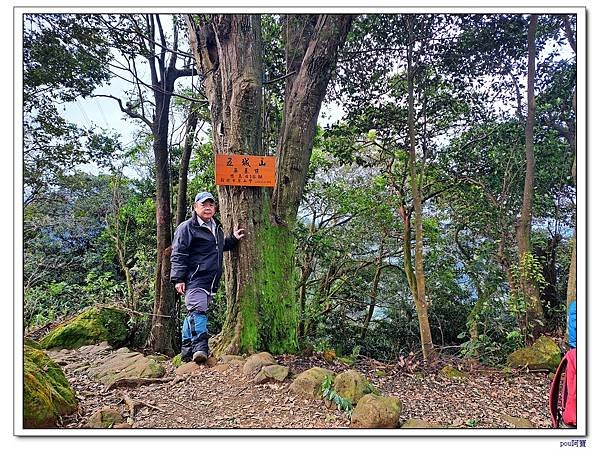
x,y
309,382
126,364
544,354
352,385
177,361
451,373
90,327
33,344
373,411
47,393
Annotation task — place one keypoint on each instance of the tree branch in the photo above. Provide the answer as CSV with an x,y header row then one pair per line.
x,y
127,111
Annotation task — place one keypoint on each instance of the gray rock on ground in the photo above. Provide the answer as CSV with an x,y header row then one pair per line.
x,y
419,423
271,373
256,362
104,418
125,364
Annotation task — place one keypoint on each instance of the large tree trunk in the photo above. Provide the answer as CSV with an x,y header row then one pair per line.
x,y
529,286
421,299
262,310
228,49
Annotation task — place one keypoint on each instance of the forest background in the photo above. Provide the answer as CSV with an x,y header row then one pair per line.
x,y
404,231
342,310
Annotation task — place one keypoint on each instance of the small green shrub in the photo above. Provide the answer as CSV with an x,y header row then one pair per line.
x,y
332,396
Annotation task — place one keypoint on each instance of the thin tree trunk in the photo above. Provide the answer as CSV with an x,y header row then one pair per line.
x,y
305,272
163,334
421,300
374,291
184,167
119,240
530,289
407,252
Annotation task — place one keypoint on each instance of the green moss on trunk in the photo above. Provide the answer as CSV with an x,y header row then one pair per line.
x,y
268,307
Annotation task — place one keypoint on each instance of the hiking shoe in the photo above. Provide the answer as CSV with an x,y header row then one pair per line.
x,y
200,357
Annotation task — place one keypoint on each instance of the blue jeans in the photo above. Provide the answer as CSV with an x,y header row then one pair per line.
x,y
194,336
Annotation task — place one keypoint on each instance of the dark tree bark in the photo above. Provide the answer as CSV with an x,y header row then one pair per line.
x,y
163,336
374,290
190,131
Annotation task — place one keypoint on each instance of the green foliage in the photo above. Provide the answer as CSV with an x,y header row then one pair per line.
x,y
70,255
497,333
519,305
177,360
492,350
102,288
46,391
64,57
472,423
329,394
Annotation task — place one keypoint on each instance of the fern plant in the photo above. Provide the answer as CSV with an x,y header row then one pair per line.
x,y
329,394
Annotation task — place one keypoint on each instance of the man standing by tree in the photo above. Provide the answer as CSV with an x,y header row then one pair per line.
x,y
196,268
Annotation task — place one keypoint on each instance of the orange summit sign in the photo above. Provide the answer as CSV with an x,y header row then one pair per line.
x,y
245,170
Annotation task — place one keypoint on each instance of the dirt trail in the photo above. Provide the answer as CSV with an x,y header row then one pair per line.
x,y
223,397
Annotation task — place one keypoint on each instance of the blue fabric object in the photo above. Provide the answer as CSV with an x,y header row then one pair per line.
x,y
572,324
194,336
203,196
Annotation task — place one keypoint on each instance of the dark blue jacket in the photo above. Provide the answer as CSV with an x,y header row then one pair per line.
x,y
197,255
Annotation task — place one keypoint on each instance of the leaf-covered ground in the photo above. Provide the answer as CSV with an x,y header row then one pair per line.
x,y
222,397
